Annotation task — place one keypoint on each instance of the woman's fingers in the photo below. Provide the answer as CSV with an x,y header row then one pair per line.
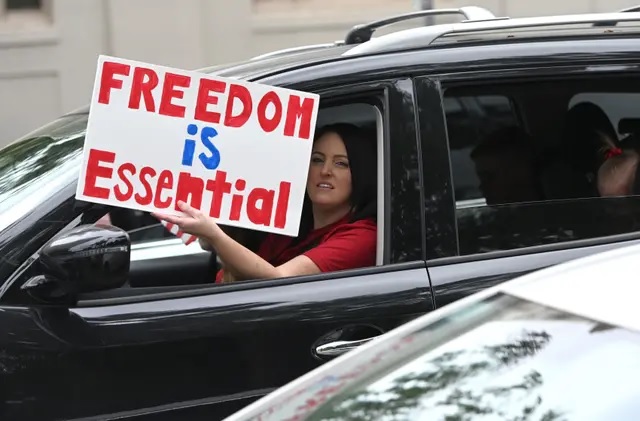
x,y
169,218
188,209
193,222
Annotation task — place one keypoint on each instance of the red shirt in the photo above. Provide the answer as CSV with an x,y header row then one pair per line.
x,y
338,246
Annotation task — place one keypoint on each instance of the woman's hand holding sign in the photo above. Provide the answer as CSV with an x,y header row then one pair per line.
x,y
237,258
193,222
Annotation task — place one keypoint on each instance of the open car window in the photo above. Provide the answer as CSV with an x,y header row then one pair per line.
x,y
149,233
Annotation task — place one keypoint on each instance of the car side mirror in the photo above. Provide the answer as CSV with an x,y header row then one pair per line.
x,y
88,258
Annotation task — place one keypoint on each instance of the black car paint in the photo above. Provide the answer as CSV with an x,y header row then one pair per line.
x,y
202,352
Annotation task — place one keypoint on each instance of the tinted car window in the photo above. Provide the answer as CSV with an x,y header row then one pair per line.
x,y
539,163
503,358
469,119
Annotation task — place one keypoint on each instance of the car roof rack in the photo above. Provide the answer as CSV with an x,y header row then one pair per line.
x,y
613,22
363,32
630,9
295,50
427,35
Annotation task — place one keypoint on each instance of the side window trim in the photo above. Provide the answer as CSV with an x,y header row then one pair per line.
x,y
610,242
150,294
380,193
439,200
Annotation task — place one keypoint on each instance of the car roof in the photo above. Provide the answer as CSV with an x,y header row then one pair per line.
x,y
480,27
280,61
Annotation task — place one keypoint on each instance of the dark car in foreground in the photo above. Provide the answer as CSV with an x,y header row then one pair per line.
x,y
486,170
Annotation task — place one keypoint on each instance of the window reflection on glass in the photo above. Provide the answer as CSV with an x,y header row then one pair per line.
x,y
38,164
544,162
469,120
515,226
522,361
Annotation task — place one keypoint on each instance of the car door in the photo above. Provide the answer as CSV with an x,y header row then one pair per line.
x,y
204,351
474,242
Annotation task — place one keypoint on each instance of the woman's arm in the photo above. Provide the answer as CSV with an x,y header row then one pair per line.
x,y
245,264
242,262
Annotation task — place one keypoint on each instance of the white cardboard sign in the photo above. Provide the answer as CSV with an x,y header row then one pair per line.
x,y
236,150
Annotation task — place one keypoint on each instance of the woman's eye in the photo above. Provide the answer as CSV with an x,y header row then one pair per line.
x,y
316,159
342,164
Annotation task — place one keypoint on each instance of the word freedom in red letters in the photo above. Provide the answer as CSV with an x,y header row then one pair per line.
x,y
144,81
262,206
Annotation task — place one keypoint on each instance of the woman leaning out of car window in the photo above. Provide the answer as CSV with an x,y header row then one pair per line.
x,y
338,226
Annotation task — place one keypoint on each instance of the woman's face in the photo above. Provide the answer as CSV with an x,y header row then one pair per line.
x,y
329,181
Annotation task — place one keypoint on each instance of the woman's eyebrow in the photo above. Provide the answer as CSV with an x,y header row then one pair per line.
x,y
335,156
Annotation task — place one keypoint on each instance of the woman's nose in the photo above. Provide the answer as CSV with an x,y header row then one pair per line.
x,y
326,169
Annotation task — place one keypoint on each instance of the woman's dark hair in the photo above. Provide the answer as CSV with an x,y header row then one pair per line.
x,y
361,151
588,132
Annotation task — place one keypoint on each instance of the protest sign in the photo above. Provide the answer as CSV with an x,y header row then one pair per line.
x,y
237,151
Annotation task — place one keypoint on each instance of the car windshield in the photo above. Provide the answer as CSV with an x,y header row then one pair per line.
x,y
39,164
503,358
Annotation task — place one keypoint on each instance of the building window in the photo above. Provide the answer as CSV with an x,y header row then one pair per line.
x,y
23,4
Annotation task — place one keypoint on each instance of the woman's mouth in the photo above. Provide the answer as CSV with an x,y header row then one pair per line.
x,y
325,186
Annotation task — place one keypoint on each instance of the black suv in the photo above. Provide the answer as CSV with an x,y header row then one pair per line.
x,y
495,143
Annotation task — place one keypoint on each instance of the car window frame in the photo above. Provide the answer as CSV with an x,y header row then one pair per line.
x,y
377,91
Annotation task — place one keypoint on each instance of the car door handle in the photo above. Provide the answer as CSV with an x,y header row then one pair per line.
x,y
336,348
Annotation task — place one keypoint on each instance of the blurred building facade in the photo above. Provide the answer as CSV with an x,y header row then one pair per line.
x,y
49,48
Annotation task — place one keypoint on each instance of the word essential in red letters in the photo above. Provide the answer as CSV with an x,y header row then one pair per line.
x,y
165,188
